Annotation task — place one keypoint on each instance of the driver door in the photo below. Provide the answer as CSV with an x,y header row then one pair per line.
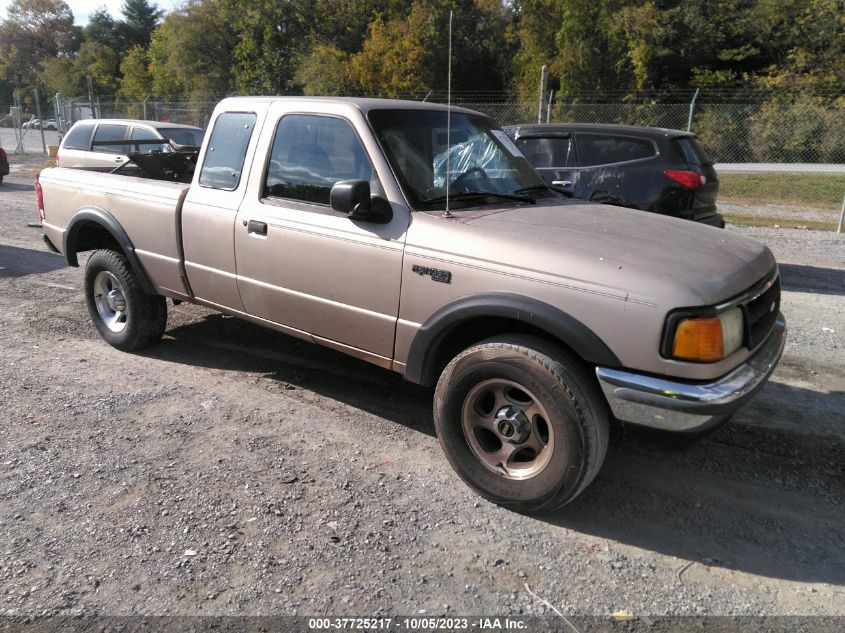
x,y
305,266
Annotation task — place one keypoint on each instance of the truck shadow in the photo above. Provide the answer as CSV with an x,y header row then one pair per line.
x,y
746,498
750,497
15,186
223,342
825,281
17,262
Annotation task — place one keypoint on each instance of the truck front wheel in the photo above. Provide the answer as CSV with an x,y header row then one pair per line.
x,y
126,317
521,422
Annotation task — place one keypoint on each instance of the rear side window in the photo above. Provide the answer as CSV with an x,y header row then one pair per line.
x,y
79,137
110,132
145,134
224,159
310,154
692,152
547,152
604,149
183,136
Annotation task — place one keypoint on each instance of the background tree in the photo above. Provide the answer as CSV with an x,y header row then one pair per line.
x,y
33,31
136,82
326,70
102,28
394,59
192,53
408,51
271,39
140,19
618,50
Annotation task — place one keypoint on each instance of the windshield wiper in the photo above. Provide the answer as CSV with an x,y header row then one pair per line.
x,y
544,188
475,194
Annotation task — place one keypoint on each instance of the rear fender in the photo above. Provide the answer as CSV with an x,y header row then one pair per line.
x,y
104,220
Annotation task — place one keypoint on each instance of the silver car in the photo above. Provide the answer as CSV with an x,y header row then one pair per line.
x,y
80,146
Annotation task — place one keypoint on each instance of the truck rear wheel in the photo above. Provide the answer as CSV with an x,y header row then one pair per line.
x,y
521,422
126,317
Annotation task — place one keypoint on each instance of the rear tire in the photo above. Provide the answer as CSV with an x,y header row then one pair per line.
x,y
126,317
521,422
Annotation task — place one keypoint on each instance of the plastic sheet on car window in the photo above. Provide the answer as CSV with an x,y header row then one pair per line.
x,y
479,150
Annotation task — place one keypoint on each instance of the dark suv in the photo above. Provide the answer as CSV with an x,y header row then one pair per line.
x,y
653,169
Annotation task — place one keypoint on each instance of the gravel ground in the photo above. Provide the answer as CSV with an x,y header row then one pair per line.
x,y
233,470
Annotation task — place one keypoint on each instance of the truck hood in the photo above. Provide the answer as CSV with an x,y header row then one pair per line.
x,y
631,250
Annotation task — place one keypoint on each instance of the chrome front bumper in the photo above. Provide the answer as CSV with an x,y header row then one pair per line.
x,y
671,405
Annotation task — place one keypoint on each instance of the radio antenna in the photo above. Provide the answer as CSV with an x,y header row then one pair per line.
x,y
447,214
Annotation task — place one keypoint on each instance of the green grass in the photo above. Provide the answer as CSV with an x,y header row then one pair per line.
x,y
783,222
822,191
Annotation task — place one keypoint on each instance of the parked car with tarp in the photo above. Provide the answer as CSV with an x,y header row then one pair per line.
x,y
654,169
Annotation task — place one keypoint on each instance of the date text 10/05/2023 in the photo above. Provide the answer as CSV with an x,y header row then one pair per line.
x,y
418,624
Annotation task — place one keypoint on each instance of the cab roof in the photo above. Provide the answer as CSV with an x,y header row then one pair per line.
x,y
365,104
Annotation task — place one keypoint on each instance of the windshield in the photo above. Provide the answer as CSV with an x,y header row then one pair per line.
x,y
183,135
484,166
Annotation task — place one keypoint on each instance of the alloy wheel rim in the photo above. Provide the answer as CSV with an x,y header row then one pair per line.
x,y
508,429
110,301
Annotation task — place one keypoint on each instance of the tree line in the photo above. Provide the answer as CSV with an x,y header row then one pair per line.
x,y
622,48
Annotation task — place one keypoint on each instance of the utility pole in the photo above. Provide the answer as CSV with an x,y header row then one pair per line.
x,y
17,122
89,82
692,110
60,116
544,82
40,120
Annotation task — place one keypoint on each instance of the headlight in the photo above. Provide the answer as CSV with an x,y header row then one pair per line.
x,y
708,339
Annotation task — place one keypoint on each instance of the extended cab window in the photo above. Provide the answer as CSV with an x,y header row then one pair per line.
x,y
603,149
224,159
79,137
110,132
311,153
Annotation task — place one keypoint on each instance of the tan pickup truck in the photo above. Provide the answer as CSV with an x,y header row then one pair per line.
x,y
421,240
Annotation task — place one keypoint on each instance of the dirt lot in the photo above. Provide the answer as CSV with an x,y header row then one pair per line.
x,y
233,470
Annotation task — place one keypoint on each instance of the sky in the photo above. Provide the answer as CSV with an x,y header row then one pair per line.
x,y
82,8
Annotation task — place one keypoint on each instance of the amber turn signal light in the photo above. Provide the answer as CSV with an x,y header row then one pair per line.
x,y
699,340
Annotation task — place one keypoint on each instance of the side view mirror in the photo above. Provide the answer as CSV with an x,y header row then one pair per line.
x,y
353,198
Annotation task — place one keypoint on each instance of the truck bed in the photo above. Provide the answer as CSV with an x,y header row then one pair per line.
x,y
146,208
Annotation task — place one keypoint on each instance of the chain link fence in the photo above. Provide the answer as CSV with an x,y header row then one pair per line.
x,y
779,161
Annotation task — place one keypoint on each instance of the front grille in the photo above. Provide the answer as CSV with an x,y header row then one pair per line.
x,y
761,314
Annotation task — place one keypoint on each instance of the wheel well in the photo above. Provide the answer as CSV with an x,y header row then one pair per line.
x,y
92,236
473,331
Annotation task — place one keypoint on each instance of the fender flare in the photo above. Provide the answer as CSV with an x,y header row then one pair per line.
x,y
424,351
107,221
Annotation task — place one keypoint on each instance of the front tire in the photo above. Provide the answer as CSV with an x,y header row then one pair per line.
x,y
521,422
126,317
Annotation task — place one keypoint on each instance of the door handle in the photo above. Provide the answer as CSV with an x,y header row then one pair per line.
x,y
562,183
256,227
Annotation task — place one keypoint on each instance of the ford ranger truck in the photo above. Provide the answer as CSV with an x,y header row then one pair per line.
x,y
376,228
